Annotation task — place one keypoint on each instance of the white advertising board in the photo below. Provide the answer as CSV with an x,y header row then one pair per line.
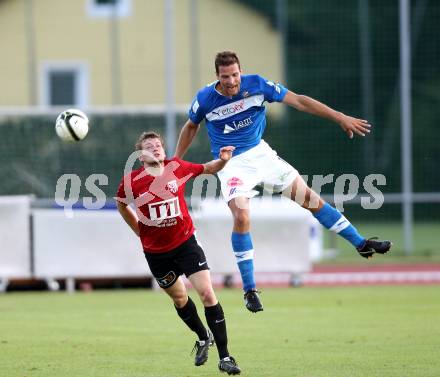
x,y
281,233
90,244
15,258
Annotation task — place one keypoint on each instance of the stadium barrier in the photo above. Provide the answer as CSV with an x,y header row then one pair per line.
x,y
98,244
15,238
285,236
90,244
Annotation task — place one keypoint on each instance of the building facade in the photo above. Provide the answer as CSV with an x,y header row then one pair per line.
x,y
91,53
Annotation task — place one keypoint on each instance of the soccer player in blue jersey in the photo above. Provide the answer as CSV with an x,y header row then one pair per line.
x,y
233,108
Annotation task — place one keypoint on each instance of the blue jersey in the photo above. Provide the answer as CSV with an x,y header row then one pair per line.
x,y
239,121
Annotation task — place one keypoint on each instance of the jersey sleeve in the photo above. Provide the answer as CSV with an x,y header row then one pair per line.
x,y
195,113
190,168
273,92
121,195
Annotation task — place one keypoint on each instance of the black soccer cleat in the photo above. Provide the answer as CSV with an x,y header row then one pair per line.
x,y
373,245
229,365
252,301
201,347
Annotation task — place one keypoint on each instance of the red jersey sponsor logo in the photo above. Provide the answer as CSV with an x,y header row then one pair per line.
x,y
165,209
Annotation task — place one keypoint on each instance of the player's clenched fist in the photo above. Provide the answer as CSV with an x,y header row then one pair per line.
x,y
226,153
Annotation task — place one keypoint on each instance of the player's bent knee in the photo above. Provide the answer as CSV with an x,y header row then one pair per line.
x,y
178,295
179,301
207,296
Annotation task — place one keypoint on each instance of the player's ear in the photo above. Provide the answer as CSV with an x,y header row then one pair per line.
x,y
141,157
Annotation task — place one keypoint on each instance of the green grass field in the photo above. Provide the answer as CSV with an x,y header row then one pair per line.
x,y
308,332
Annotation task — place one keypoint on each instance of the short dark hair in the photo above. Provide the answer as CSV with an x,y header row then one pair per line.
x,y
226,58
148,135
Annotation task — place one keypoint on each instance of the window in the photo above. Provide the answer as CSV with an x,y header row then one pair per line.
x,y
62,88
64,84
108,8
105,2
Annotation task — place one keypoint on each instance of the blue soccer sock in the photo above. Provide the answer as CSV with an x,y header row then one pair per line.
x,y
333,220
244,255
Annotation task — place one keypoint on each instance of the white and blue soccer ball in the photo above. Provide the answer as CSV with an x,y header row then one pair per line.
x,y
72,125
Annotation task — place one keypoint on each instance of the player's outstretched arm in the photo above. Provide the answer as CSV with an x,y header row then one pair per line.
x,y
129,216
215,166
187,134
348,124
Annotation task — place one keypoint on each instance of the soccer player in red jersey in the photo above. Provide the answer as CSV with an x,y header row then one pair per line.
x,y
166,231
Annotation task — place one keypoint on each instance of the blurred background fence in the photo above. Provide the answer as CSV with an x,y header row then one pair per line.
x,y
344,53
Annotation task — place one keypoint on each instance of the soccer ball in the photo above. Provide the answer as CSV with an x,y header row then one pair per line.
x,y
72,125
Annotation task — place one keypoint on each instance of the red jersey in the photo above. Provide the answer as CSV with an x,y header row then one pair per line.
x,y
164,221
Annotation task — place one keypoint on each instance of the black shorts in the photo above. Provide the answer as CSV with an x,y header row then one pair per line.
x,y
187,259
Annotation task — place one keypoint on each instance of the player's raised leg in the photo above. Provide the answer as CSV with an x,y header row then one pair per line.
x,y
333,220
244,251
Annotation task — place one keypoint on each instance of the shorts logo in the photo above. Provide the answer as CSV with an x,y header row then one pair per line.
x,y
232,191
172,186
284,176
167,280
234,182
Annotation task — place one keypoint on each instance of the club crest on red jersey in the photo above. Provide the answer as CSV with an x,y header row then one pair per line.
x,y
172,186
